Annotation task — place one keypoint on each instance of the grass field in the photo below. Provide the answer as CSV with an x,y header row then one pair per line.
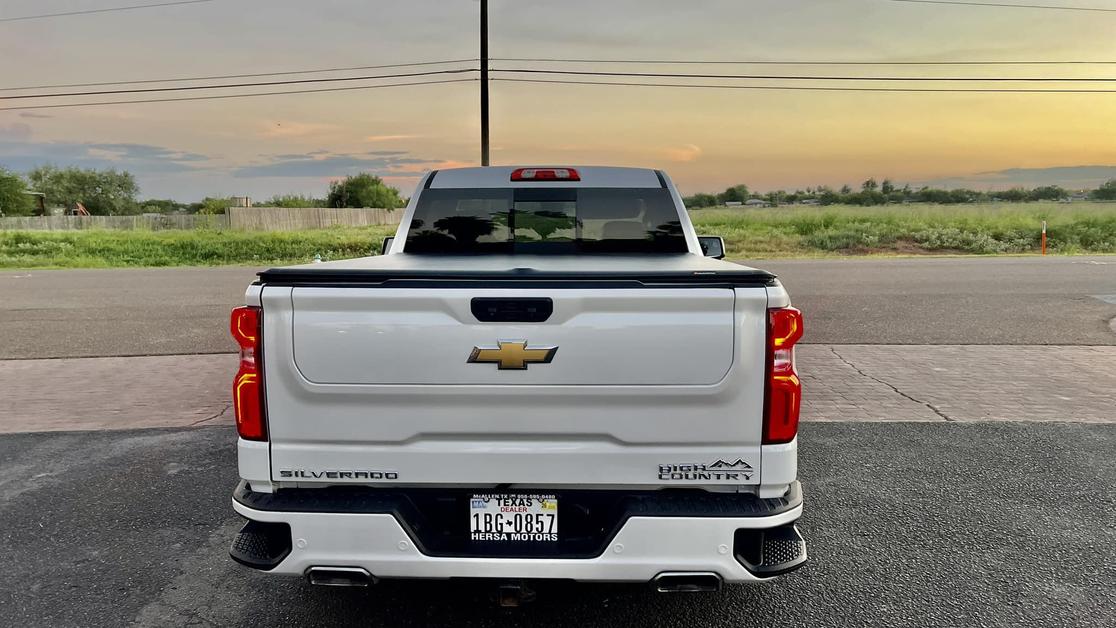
x,y
748,233
911,229
202,247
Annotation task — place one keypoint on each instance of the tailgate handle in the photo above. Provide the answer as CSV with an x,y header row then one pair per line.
x,y
501,310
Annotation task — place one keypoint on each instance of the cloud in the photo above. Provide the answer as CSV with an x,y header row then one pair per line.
x,y
408,170
295,129
147,152
688,152
137,158
1065,176
32,114
18,132
389,138
383,163
406,176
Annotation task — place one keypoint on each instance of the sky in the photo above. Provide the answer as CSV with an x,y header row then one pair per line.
x,y
706,139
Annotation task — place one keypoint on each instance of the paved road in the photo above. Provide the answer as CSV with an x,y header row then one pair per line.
x,y
63,313
927,524
963,300
1056,300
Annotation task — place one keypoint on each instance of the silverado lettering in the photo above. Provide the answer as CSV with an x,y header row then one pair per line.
x,y
340,475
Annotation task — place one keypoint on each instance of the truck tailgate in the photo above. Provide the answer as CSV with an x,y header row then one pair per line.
x,y
371,384
601,337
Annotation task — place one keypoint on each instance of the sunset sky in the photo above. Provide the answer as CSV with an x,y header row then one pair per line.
x,y
707,139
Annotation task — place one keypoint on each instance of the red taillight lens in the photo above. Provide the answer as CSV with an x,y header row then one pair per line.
x,y
783,395
247,387
545,174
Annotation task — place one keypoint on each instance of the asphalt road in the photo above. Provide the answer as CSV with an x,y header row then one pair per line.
x,y
965,300
919,524
962,300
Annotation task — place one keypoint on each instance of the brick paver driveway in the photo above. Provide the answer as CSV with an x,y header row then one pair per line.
x,y
842,383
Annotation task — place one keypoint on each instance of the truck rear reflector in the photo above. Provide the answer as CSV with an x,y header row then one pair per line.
x,y
247,386
545,174
783,391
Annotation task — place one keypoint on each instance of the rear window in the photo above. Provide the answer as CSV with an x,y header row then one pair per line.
x,y
545,220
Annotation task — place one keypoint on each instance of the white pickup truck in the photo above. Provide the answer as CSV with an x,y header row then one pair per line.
x,y
547,375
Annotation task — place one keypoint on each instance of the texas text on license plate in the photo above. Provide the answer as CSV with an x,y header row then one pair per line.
x,y
513,518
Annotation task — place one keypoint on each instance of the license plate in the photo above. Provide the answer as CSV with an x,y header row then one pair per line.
x,y
513,518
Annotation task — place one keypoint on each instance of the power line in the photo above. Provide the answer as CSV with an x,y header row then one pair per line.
x,y
571,82
982,90
1004,4
770,62
539,60
232,76
235,85
105,10
224,96
798,77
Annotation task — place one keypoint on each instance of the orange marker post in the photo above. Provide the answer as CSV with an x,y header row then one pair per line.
x,y
1044,237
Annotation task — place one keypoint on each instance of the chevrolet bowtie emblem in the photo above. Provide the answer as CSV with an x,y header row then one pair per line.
x,y
512,355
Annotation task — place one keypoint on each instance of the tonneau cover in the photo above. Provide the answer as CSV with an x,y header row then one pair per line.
x,y
641,269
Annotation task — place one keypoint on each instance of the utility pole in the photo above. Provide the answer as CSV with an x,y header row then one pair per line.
x,y
484,81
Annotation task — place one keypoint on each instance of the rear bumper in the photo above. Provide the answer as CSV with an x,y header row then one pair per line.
x,y
642,547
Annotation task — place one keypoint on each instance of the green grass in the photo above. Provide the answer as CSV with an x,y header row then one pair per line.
x,y
749,233
994,228
105,249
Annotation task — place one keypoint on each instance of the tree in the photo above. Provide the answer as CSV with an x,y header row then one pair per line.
x,y
777,197
14,200
826,195
1048,193
961,195
845,189
213,205
870,185
700,200
735,194
887,187
293,200
363,190
1106,192
1014,195
161,206
932,195
100,191
867,197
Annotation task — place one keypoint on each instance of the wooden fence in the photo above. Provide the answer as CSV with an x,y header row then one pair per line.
x,y
300,218
246,218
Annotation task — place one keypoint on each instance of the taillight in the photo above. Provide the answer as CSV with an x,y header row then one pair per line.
x,y
248,385
783,393
545,174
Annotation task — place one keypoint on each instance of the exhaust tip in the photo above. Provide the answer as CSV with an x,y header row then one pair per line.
x,y
687,582
339,577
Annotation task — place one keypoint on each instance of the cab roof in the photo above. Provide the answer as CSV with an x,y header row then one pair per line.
x,y
501,177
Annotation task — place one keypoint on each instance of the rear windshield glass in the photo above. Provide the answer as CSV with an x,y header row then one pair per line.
x,y
546,220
